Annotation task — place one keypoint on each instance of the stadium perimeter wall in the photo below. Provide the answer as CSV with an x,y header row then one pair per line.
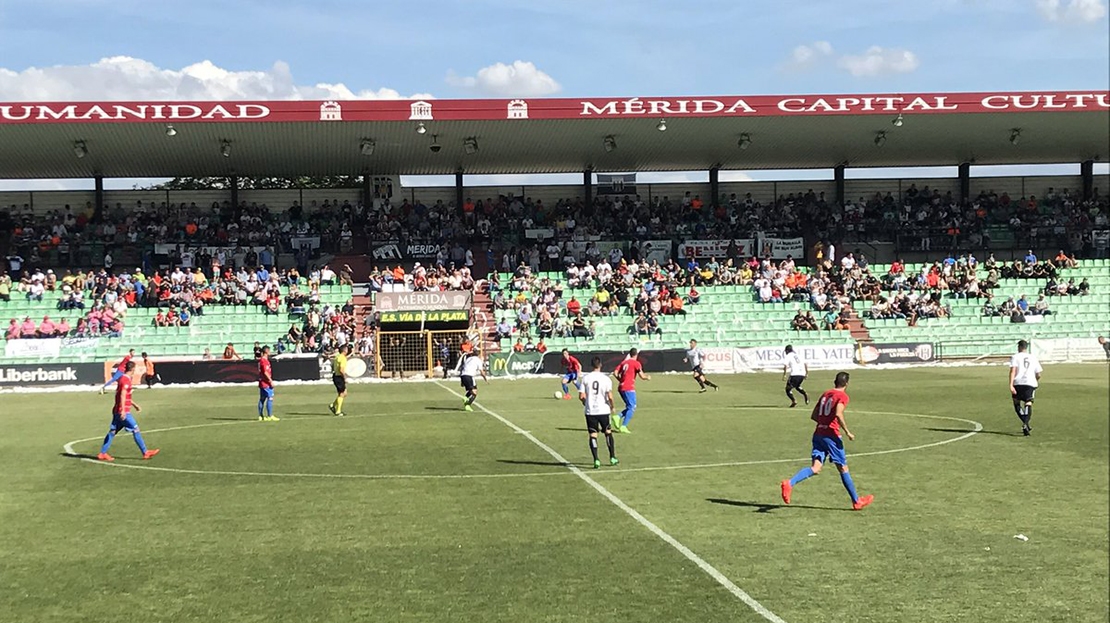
x,y
719,360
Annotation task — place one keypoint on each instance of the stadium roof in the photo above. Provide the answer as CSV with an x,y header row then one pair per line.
x,y
290,138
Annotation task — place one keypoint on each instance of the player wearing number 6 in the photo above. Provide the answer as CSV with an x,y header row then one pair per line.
x,y
827,444
596,394
1025,375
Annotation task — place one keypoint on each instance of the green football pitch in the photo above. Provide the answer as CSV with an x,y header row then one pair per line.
x,y
410,509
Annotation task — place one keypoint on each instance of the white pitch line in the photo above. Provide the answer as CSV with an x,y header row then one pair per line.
x,y
709,569
68,447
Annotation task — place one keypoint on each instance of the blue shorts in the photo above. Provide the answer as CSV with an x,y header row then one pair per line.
x,y
265,393
629,398
829,449
117,375
571,377
124,422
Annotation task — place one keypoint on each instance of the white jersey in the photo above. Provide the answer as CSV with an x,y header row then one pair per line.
x,y
597,386
695,356
794,364
470,365
1027,368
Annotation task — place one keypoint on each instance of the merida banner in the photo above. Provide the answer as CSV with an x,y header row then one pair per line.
x,y
513,364
423,301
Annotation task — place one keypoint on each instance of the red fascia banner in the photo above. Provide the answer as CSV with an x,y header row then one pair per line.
x,y
550,109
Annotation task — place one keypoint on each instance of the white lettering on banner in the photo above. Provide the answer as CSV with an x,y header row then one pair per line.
x,y
637,106
422,301
539,233
132,112
39,375
33,348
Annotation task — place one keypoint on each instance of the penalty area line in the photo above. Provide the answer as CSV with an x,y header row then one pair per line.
x,y
709,569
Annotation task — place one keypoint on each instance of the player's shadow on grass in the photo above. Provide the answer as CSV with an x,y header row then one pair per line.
x,y
983,432
442,409
78,455
766,508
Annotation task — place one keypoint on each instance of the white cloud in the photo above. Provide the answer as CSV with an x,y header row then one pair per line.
x,y
874,62
805,56
1082,11
126,78
520,79
877,61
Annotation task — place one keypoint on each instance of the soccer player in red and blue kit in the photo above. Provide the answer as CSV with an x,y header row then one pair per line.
x,y
574,370
122,418
627,373
266,387
121,369
827,443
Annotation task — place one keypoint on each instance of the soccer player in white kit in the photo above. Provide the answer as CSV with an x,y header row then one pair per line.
x,y
794,372
695,356
1025,375
470,365
596,394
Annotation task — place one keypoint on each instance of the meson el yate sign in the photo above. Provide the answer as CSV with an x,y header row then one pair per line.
x,y
521,111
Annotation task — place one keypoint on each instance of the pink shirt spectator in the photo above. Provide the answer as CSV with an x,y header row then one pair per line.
x,y
63,327
28,328
47,327
13,330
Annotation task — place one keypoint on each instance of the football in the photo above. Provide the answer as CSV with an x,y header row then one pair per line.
x,y
558,395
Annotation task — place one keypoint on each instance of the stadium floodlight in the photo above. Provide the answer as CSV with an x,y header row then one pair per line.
x,y
420,128
1015,136
745,141
470,145
225,149
366,147
880,139
171,131
898,121
80,149
662,127
610,143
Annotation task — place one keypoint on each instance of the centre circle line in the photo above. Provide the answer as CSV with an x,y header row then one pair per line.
x,y
68,447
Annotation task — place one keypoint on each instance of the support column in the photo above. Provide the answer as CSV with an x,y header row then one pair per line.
x,y
588,186
715,187
233,181
1087,172
838,177
98,200
460,199
965,181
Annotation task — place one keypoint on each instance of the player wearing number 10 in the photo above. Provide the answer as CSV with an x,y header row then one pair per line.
x,y
596,394
827,444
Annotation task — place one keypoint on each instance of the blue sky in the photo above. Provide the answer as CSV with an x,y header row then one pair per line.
x,y
344,48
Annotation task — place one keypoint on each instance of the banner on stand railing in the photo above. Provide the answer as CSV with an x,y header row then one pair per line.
x,y
762,358
719,249
779,248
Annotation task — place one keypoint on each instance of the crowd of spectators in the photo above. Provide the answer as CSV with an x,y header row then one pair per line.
x,y
926,218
